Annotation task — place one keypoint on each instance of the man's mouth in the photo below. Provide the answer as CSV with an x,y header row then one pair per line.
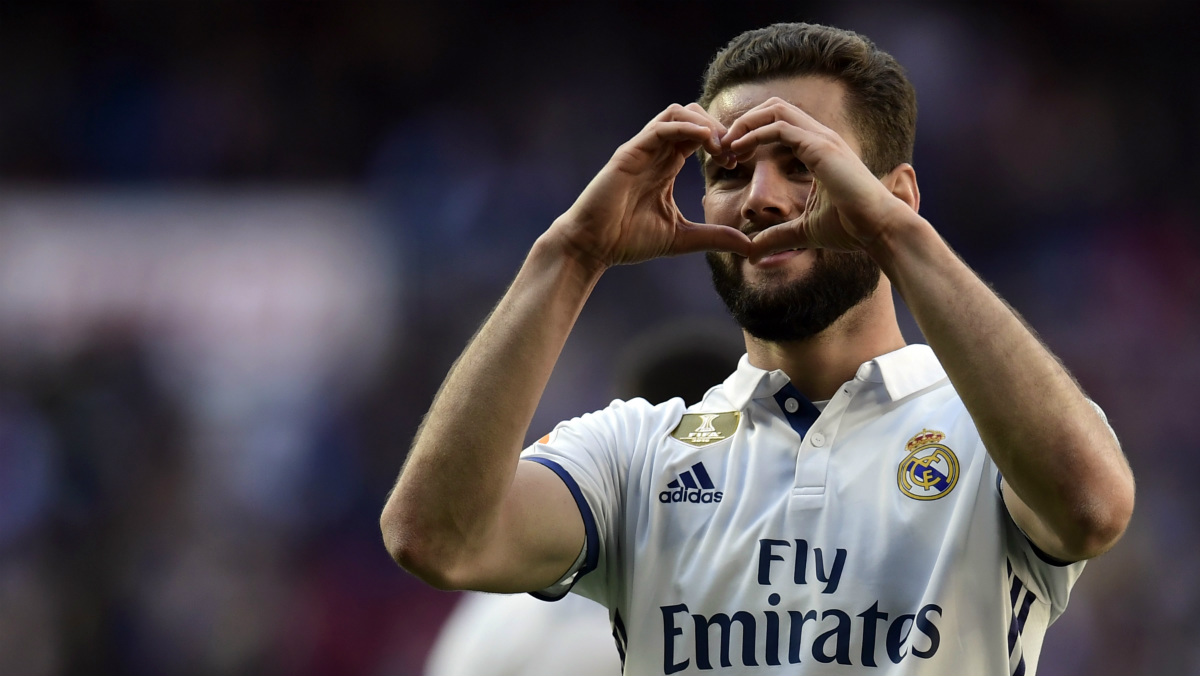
x,y
778,258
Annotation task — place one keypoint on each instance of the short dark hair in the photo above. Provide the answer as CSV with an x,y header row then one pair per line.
x,y
881,104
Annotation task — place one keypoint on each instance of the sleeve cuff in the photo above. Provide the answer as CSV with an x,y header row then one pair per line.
x,y
1046,558
590,556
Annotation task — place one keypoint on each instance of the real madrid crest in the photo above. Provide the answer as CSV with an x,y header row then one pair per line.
x,y
930,469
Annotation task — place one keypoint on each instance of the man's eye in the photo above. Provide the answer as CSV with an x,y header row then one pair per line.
x,y
723,174
799,168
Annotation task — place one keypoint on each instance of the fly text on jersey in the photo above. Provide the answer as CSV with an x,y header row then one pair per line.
x,y
823,635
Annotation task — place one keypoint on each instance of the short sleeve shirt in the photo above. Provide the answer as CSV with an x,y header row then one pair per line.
x,y
753,534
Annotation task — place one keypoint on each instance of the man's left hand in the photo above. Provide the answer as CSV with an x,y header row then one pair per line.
x,y
848,208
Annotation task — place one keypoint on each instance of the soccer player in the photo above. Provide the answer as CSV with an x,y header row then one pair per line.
x,y
842,502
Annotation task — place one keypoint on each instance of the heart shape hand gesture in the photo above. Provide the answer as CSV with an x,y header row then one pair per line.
x,y
627,213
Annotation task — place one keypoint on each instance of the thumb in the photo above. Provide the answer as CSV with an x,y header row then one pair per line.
x,y
694,237
781,237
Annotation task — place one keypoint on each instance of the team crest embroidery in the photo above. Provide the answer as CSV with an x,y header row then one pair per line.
x,y
930,469
702,429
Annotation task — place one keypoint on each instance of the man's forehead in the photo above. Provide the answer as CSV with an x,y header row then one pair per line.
x,y
817,96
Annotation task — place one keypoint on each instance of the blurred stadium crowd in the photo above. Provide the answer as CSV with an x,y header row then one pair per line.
x,y
241,242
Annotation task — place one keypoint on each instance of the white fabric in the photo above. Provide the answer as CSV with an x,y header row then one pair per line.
x,y
518,635
804,545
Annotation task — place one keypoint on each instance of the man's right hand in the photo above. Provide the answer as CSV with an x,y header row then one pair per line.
x,y
465,512
627,214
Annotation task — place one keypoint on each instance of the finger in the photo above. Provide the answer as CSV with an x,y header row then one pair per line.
x,y
813,202
773,109
716,153
801,141
686,137
692,112
696,115
697,109
694,237
780,237
788,125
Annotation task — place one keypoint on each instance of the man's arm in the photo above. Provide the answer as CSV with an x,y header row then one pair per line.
x,y
465,513
1067,483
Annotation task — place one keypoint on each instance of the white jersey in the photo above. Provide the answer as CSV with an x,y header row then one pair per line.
x,y
753,534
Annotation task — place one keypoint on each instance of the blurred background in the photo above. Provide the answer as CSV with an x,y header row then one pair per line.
x,y
242,242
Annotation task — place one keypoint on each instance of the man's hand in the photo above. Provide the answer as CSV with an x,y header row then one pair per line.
x,y
627,214
848,207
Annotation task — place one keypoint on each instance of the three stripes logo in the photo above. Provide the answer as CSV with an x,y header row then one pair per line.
x,y
693,486
1016,626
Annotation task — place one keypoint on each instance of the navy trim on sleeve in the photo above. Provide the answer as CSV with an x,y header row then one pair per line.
x,y
589,526
1053,561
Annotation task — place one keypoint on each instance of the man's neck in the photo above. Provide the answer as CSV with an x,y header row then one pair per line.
x,y
820,365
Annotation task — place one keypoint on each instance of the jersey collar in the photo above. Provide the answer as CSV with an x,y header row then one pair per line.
x,y
910,369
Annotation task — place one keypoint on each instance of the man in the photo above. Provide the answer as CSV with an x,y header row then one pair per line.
x,y
842,501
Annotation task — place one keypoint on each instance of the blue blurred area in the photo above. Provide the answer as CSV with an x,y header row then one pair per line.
x,y
168,507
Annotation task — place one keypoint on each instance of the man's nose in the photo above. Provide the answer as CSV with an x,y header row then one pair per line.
x,y
768,197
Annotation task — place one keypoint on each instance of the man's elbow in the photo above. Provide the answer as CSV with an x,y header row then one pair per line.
x,y
1101,523
414,550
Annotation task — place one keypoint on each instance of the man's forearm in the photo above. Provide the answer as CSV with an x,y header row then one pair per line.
x,y
465,454
1051,446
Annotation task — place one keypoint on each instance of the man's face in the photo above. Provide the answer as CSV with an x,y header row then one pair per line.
x,y
791,295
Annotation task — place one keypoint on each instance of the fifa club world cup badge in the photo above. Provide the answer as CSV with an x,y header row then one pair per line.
x,y
702,429
930,469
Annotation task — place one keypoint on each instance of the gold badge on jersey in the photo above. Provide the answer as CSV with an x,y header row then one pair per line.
x,y
930,469
702,429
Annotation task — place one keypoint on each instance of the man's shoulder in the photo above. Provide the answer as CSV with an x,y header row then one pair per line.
x,y
633,424
622,420
669,412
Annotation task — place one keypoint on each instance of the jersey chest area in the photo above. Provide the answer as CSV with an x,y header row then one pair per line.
x,y
817,549
871,495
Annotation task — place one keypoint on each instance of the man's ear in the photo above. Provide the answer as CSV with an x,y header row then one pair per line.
x,y
902,182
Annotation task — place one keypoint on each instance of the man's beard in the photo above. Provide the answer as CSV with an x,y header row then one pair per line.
x,y
799,309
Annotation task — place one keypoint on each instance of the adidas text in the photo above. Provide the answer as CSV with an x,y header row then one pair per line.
x,y
692,496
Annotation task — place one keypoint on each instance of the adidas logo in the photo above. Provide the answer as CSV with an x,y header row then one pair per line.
x,y
694,486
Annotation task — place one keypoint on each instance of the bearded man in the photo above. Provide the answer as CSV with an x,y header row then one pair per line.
x,y
843,500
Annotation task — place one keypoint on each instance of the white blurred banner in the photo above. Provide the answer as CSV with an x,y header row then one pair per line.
x,y
259,310
241,284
